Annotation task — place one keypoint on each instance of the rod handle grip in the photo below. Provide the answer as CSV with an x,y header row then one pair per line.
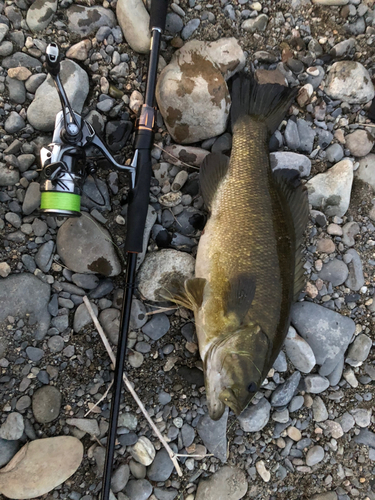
x,y
158,14
138,203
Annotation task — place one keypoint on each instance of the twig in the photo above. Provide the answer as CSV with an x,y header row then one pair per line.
x,y
160,310
170,452
100,400
175,157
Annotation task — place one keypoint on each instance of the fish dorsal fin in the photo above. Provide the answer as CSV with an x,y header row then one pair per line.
x,y
295,194
194,290
212,171
241,292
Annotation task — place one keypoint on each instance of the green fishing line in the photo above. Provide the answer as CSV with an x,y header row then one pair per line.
x,y
60,201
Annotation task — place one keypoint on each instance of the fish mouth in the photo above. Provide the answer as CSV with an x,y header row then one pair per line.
x,y
216,410
228,398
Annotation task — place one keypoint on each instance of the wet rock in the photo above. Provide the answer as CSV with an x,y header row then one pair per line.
x,y
213,435
63,454
192,91
231,482
134,21
12,429
359,142
289,160
327,332
23,294
86,20
355,279
359,350
46,404
42,111
255,417
40,14
282,395
299,352
331,190
84,246
159,269
349,81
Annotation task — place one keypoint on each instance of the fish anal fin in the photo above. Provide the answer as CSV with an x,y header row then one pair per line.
x,y
295,195
241,292
212,171
195,290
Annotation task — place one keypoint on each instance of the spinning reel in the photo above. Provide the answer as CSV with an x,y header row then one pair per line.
x,y
64,167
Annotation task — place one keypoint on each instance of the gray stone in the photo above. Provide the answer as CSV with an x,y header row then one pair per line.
x,y
143,451
306,136
14,123
335,153
56,343
327,332
86,281
291,134
161,468
335,271
34,82
82,317
331,190
42,111
3,31
366,170
366,437
61,322
6,48
355,279
138,489
280,364
120,478
110,320
255,417
163,494
359,143
138,316
88,425
13,427
343,48
86,20
350,230
32,198
134,21
174,23
228,482
359,350
296,403
157,327
46,404
283,394
189,28
335,376
187,435
8,177
316,383
314,455
160,268
299,352
16,89
213,435
346,421
128,440
39,227
362,416
40,14
24,294
259,23
44,256
289,160
349,81
34,353
84,246
7,448
320,412
20,59
95,194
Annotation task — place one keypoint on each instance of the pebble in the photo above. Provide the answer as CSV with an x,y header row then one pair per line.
x,y
355,280
157,327
34,353
86,20
14,123
333,428
88,425
320,412
85,247
334,153
80,51
120,478
299,352
362,417
314,455
32,198
134,22
335,271
139,489
327,332
331,190
359,350
143,451
365,437
161,468
255,417
46,403
294,433
42,111
5,269
349,81
189,28
347,422
12,429
283,394
7,450
40,14
316,384
366,170
262,471
349,231
44,256
295,161
350,377
359,143
213,435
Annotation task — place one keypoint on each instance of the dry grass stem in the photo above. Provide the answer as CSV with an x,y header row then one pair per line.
x,y
175,157
170,452
100,400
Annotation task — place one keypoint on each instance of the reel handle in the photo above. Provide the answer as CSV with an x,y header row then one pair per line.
x,y
53,59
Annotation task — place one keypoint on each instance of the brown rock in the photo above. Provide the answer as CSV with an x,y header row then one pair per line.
x,y
80,50
270,76
20,73
325,245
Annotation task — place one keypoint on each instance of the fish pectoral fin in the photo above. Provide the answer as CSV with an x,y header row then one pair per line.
x,y
194,288
295,195
211,173
241,292
175,292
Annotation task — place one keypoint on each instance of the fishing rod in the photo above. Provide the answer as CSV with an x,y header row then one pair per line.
x,y
63,174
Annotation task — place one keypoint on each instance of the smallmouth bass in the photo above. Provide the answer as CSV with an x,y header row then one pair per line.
x,y
248,267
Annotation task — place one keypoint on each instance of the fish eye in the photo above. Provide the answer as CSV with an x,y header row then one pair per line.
x,y
252,387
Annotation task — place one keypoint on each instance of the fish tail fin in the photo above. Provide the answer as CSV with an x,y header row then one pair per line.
x,y
267,103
